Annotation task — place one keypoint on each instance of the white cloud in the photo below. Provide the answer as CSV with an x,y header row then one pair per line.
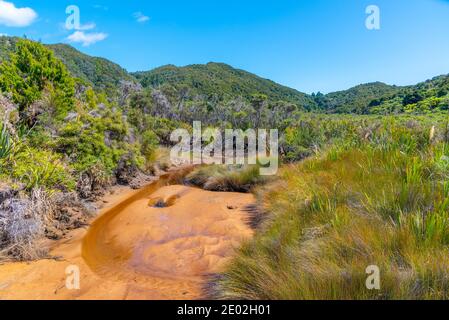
x,y
86,39
140,17
3,34
11,16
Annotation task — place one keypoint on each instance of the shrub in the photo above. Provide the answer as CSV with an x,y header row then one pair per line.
x,y
38,168
30,69
150,142
22,225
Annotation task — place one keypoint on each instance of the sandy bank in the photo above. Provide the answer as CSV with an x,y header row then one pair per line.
x,y
137,249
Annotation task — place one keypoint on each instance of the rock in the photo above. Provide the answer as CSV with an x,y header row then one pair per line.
x,y
70,213
140,180
131,137
71,116
89,208
80,90
32,113
5,192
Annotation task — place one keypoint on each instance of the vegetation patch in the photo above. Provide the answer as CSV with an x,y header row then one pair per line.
x,y
383,203
227,178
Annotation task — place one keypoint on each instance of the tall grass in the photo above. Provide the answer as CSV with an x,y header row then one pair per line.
x,y
6,144
382,202
32,167
233,178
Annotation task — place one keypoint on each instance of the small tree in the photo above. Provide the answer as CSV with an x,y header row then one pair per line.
x,y
31,69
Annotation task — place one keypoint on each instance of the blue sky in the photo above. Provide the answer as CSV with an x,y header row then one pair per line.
x,y
319,45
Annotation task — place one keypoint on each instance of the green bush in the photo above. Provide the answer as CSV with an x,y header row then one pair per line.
x,y
31,69
38,168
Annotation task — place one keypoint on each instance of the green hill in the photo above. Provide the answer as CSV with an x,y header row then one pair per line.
x,y
358,99
218,80
380,98
98,72
221,81
215,82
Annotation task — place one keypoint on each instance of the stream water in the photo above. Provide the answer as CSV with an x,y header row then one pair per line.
x,y
161,242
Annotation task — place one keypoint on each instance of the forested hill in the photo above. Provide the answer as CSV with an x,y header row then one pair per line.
x,y
219,80
212,81
356,99
379,98
218,83
97,72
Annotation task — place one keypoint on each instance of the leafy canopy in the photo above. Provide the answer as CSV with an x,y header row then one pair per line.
x,y
33,69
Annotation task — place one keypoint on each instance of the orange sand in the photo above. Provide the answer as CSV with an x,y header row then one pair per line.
x,y
134,251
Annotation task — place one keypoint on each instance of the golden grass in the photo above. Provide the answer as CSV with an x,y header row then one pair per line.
x,y
333,216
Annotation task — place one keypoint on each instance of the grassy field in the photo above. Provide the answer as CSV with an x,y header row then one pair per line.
x,y
376,199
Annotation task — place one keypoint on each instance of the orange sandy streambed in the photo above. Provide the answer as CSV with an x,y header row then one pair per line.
x,y
137,251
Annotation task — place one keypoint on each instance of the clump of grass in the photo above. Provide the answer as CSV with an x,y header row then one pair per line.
x,y
382,203
234,178
22,225
160,160
32,167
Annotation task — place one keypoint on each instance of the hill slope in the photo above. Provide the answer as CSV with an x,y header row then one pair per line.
x,y
380,98
358,99
223,81
218,81
98,72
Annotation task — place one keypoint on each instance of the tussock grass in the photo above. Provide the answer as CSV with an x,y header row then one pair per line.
x,y
159,161
233,178
383,202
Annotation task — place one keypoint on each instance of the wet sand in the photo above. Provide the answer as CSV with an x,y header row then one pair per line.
x,y
137,249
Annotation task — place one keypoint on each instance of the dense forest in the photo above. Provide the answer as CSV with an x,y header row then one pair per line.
x,y
364,174
217,85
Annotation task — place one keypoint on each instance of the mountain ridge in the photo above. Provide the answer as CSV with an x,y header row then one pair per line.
x,y
221,79
217,80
